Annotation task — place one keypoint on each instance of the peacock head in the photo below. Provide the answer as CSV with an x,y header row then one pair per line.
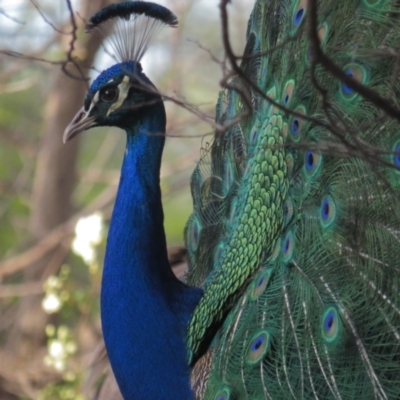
x,y
116,98
119,94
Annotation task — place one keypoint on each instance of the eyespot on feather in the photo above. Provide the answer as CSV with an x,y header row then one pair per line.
x,y
260,283
194,232
299,13
330,326
358,73
327,211
312,162
296,123
258,347
288,247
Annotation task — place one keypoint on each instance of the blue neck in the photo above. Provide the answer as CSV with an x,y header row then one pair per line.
x,y
145,309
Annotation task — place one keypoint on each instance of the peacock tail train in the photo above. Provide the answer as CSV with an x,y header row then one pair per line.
x,y
296,224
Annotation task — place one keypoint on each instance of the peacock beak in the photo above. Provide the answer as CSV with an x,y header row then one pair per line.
x,y
79,123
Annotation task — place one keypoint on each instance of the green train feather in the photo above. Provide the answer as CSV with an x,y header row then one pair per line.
x,y
295,230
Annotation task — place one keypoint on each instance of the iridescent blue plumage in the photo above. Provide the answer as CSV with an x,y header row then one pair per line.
x,y
113,75
145,309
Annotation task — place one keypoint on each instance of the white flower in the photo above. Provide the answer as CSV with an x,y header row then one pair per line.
x,y
88,234
57,349
51,303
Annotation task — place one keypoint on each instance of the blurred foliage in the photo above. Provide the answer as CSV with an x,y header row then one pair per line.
x,y
19,137
181,69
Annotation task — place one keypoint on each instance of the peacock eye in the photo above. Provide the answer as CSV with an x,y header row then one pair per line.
x,y
109,94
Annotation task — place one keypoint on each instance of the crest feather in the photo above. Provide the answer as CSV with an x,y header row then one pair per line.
x,y
131,25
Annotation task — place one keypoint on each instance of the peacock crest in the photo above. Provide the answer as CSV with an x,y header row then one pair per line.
x,y
130,26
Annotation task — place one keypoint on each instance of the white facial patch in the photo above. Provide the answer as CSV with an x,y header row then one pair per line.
x,y
93,103
123,93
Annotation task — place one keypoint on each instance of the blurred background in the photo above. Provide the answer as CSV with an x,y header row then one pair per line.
x,y
56,200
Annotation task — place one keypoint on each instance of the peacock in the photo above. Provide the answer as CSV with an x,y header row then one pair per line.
x,y
293,283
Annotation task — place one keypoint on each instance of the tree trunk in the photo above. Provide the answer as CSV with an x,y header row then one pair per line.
x,y
54,182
